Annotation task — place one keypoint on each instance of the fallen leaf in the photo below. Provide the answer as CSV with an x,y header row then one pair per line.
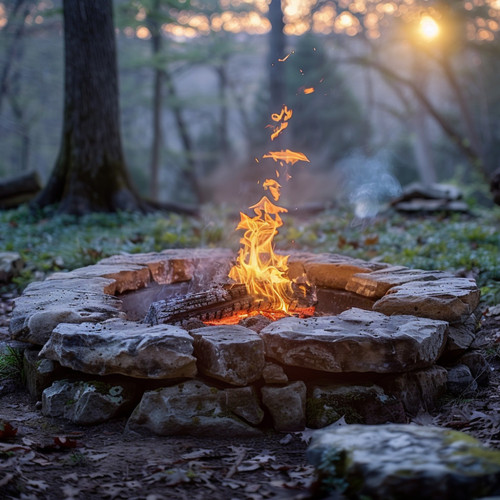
x,y
6,479
65,442
7,431
36,484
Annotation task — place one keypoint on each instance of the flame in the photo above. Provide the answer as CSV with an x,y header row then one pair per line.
x,y
309,90
257,266
287,156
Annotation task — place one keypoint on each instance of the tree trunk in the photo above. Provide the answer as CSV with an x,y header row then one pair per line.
x,y
157,105
90,173
276,51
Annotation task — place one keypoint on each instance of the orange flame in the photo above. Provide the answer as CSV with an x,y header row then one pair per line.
x,y
309,90
257,265
287,156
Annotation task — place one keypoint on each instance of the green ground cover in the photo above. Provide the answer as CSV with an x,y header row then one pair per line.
x,y
469,244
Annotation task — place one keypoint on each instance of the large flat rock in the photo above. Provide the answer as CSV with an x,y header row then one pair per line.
x,y
448,299
122,347
335,271
356,341
403,461
230,353
177,265
43,305
376,284
193,408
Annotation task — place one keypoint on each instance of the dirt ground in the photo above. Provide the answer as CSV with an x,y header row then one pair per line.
x,y
54,459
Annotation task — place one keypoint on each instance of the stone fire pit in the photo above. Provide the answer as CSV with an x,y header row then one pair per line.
x,y
376,351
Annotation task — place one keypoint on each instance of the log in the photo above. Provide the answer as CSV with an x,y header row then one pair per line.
x,y
220,301
17,190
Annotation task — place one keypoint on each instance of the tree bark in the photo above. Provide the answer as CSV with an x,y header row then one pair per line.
x,y
276,51
90,173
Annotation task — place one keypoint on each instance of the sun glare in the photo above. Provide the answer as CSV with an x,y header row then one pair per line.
x,y
428,27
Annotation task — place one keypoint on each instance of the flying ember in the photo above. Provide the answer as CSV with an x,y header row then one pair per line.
x,y
258,266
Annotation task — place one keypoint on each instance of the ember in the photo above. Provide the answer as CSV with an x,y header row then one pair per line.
x,y
263,271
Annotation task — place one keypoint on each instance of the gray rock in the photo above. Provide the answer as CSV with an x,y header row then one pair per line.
x,y
461,335
46,304
335,271
122,347
417,390
86,403
377,284
356,341
478,366
40,373
191,408
287,405
447,299
231,353
177,265
274,374
398,461
244,403
11,264
356,403
461,382
126,277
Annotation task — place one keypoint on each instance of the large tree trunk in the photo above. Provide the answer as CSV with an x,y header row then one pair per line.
x,y
90,173
276,51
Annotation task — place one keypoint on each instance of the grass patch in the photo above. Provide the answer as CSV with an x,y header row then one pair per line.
x,y
459,243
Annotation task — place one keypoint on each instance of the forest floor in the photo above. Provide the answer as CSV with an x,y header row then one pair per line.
x,y
52,458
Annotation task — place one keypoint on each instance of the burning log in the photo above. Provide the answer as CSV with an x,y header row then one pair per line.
x,y
220,301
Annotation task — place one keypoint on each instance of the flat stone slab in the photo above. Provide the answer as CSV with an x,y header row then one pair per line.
x,y
335,271
177,265
45,304
403,461
122,347
191,408
126,277
447,299
377,283
356,341
230,353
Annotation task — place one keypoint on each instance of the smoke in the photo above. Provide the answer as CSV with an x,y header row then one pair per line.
x,y
367,184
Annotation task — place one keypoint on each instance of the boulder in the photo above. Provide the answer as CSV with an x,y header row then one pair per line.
x,y
244,403
402,461
177,265
447,299
230,353
191,408
11,264
356,341
122,347
126,277
362,404
461,335
478,365
332,270
86,403
461,382
377,283
44,305
40,373
287,405
417,390
274,374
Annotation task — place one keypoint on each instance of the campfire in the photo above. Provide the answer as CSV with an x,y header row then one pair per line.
x,y
260,284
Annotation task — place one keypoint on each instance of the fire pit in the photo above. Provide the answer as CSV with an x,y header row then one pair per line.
x,y
372,351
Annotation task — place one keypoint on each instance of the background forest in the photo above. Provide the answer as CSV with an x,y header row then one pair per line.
x,y
404,90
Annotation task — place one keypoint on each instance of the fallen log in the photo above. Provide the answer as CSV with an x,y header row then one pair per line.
x,y
17,190
220,301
